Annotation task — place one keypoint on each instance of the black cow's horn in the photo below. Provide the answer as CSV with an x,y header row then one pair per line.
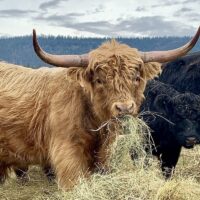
x,y
166,56
59,60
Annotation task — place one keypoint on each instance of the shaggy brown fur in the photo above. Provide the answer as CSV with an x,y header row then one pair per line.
x,y
46,115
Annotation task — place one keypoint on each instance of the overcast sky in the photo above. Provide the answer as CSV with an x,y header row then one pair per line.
x,y
100,17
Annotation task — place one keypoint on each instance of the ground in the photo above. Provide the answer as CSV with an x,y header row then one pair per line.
x,y
128,181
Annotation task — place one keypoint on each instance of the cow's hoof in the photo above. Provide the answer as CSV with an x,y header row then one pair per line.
x,y
51,177
22,175
167,173
49,173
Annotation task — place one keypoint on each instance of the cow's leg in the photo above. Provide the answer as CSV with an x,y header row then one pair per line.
x,y
3,172
21,172
70,161
49,172
169,159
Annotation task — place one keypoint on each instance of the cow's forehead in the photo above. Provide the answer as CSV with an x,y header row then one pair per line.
x,y
113,69
112,49
113,57
187,98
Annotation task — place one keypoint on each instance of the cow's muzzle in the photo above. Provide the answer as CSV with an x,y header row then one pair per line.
x,y
121,108
191,141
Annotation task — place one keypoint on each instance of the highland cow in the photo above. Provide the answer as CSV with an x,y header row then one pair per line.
x,y
47,115
174,121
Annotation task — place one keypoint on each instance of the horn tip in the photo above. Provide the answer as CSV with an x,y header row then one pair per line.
x,y
35,42
34,32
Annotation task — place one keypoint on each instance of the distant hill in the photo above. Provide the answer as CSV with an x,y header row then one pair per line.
x,y
19,50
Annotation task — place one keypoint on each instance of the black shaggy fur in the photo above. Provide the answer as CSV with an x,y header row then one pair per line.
x,y
174,119
183,74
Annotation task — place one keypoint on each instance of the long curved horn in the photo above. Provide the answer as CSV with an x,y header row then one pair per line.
x,y
59,60
166,56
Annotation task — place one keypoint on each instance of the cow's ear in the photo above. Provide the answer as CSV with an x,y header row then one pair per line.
x,y
163,104
79,74
152,70
75,73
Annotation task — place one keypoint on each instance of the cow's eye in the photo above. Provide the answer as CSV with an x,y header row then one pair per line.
x,y
137,76
98,81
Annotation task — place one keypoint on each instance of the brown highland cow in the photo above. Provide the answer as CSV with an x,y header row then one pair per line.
x,y
47,114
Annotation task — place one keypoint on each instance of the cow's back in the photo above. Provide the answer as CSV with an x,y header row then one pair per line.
x,y
25,97
183,73
19,79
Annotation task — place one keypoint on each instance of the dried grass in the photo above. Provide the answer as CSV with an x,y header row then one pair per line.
x,y
140,179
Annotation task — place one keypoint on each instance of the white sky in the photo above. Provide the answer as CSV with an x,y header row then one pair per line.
x,y
100,17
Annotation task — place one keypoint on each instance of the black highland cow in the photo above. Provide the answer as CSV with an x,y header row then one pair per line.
x,y
174,120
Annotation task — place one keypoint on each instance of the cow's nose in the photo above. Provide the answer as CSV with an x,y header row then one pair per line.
x,y
124,108
191,141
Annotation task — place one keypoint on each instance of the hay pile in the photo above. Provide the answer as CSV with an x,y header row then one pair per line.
x,y
140,179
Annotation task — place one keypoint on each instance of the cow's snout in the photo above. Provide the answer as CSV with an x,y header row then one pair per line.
x,y
191,141
120,108
124,108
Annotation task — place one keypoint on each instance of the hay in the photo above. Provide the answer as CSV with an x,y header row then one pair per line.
x,y
140,179
179,190
38,188
122,182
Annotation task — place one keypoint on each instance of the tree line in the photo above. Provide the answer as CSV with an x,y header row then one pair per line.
x,y
19,50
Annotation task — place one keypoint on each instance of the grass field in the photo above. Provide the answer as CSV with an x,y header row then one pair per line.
x,y
128,180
